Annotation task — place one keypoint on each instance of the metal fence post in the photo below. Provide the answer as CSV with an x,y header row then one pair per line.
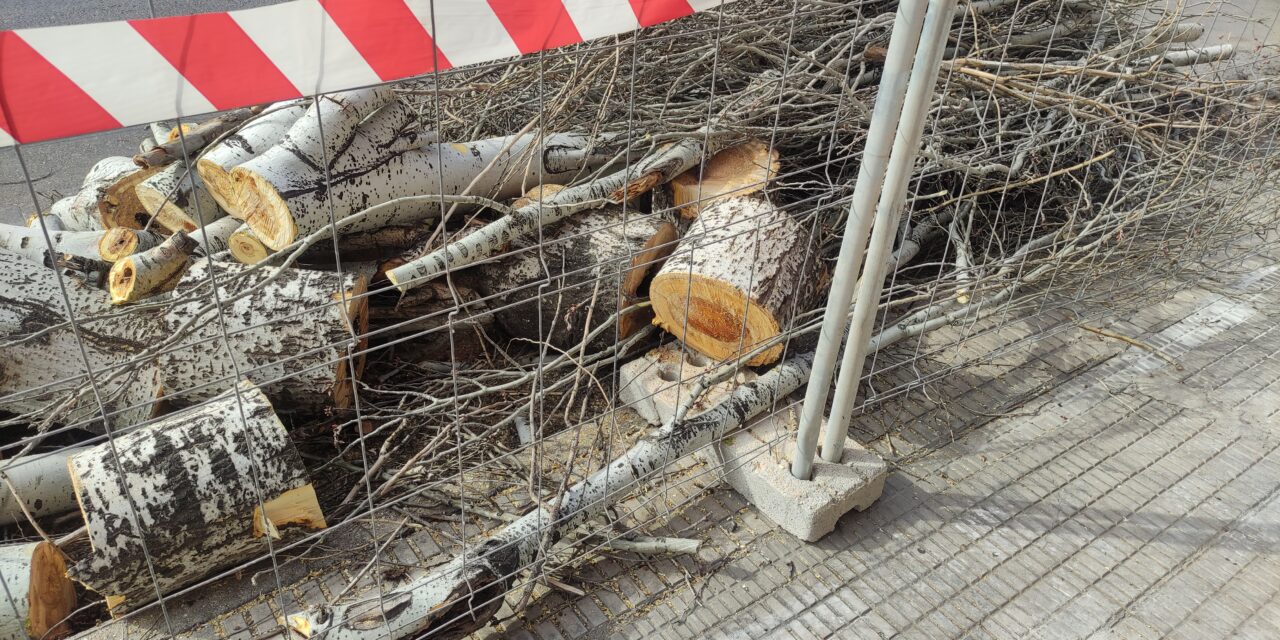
x,y
866,192
924,74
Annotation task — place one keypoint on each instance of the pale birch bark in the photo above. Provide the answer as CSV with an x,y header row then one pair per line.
x,y
215,237
42,371
51,221
202,489
283,194
38,482
153,271
291,334
29,242
84,212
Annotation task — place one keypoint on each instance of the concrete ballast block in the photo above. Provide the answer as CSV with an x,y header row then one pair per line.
x,y
657,382
756,462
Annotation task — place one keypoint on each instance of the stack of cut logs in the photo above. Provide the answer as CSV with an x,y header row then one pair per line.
x,y
179,270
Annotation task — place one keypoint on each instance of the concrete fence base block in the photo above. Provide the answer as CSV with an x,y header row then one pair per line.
x,y
657,382
756,462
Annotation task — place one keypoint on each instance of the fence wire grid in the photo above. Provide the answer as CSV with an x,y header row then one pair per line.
x,y
265,422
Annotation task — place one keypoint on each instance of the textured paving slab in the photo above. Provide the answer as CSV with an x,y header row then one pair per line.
x,y
1068,485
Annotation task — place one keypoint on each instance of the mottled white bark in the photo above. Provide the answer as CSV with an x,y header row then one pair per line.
x,y
153,271
290,333
740,272
41,484
51,221
84,211
41,366
284,194
215,237
29,242
196,491
37,595
615,188
463,595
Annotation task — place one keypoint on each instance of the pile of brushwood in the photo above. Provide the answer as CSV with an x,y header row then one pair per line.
x,y
297,316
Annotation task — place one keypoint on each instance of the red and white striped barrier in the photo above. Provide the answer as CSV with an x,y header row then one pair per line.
x,y
64,81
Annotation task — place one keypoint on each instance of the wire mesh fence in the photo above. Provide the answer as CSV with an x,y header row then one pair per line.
x,y
395,361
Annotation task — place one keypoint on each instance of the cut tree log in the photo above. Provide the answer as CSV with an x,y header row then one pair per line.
x,y
193,139
288,329
245,246
42,369
215,237
583,272
462,596
119,243
153,271
29,243
41,485
178,199
740,170
740,273
285,192
246,143
209,485
39,595
106,198
616,188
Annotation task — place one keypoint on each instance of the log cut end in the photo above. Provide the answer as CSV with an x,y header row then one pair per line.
x,y
245,246
218,182
709,315
117,244
737,171
357,319
167,214
120,206
259,204
51,595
